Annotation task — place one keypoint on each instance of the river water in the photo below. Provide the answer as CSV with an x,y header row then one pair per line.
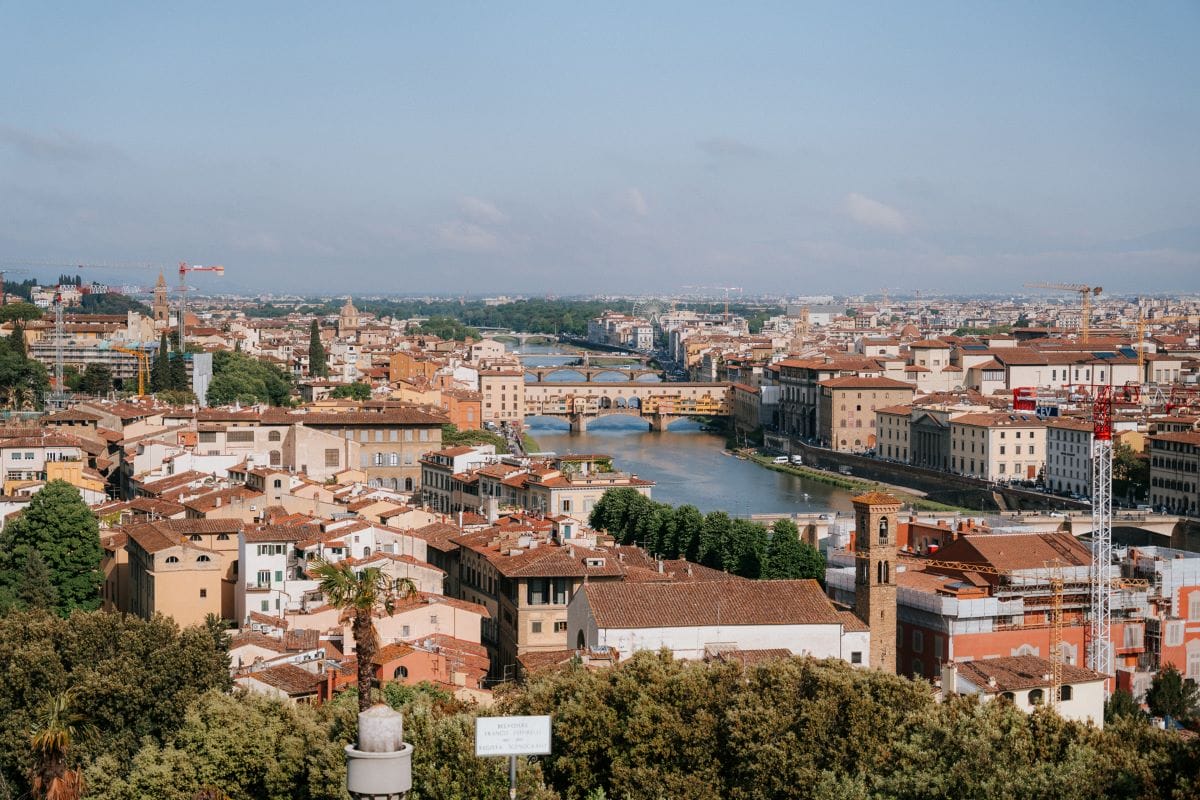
x,y
687,464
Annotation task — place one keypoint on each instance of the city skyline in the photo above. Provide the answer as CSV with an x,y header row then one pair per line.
x,y
623,150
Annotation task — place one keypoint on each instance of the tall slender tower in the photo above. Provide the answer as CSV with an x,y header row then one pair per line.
x,y
162,306
875,533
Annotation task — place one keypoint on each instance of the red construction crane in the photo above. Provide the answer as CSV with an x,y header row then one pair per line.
x,y
184,269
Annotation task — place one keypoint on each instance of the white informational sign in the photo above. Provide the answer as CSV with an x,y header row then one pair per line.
x,y
512,736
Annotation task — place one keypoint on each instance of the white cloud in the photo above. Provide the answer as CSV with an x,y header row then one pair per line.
x,y
466,237
480,210
874,214
637,202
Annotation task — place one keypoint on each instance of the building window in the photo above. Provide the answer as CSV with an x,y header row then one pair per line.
x,y
404,631
560,627
274,436
1065,693
172,560
1194,606
1036,696
855,656
265,605
239,436
535,626
400,672
203,593
537,591
331,457
202,559
918,641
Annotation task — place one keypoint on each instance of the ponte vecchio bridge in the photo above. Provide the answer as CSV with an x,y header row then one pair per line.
x,y
659,404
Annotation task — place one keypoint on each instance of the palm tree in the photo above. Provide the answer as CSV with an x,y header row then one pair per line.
x,y
61,723
361,595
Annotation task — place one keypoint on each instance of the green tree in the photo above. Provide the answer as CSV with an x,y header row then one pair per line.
x,y
1171,694
134,678
96,379
160,369
361,595
177,373
745,549
453,437
16,339
23,312
352,391
35,587
318,365
713,539
63,531
240,378
688,524
1131,473
783,551
1121,705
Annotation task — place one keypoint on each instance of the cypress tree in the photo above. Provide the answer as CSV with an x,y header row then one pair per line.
x,y
16,339
160,370
318,366
177,373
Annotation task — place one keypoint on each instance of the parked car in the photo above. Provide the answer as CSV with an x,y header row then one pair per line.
x,y
780,459
797,459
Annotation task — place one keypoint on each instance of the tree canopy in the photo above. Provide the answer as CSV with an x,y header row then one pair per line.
x,y
739,546
240,378
134,679
352,391
59,530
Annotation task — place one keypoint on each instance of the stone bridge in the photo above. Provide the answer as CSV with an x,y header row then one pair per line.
x,y
659,404
591,373
520,338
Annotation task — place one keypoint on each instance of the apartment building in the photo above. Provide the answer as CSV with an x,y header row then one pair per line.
x,y
998,446
800,393
503,395
1175,472
1069,456
846,415
443,473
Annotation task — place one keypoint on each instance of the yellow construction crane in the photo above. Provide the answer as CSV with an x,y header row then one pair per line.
x,y
143,367
1086,293
1141,337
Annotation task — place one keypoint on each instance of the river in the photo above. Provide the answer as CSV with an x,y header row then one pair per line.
x,y
688,465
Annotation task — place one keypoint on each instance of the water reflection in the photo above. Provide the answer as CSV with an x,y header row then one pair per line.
x,y
690,466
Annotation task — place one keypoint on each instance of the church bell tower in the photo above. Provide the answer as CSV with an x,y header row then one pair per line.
x,y
875,531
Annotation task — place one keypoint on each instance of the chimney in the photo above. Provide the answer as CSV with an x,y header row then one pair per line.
x,y
660,566
218,502
992,681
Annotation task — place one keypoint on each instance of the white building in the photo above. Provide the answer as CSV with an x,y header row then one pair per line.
x,y
1025,681
694,620
1069,456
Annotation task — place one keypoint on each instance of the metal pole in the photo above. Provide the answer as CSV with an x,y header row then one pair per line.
x,y
512,778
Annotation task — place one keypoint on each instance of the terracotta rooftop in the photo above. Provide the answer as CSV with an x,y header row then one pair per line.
x,y
709,603
1015,673
289,679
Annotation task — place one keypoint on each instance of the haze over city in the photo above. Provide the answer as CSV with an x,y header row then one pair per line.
x,y
544,148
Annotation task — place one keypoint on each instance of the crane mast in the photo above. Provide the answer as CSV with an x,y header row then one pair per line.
x,y
184,269
1100,650
1086,293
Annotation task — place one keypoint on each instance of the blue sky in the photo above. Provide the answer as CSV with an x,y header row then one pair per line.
x,y
570,147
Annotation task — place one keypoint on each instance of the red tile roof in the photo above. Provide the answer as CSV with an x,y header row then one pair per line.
x,y
709,603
